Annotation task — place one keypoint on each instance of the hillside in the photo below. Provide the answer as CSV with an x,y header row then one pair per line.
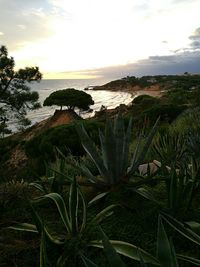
x,y
152,83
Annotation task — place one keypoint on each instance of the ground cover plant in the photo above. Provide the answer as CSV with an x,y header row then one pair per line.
x,y
160,218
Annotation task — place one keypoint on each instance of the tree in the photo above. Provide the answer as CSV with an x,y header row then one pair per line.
x,y
15,95
70,98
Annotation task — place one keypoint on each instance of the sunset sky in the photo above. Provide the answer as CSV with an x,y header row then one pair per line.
x,y
102,38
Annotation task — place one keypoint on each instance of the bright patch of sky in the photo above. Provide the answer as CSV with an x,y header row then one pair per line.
x,y
73,35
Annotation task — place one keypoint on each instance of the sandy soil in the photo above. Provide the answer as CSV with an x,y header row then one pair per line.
x,y
153,90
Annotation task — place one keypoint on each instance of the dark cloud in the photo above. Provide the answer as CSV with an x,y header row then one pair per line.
x,y
23,21
155,65
186,59
195,38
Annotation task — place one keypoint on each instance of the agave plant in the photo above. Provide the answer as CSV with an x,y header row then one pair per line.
x,y
187,231
165,251
73,243
181,186
112,159
170,148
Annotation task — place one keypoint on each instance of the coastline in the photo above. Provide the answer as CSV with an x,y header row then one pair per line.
x,y
153,90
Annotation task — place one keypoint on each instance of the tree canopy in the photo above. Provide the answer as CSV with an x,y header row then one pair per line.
x,y
15,94
70,98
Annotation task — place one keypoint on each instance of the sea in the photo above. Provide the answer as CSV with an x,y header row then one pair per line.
x,y
109,99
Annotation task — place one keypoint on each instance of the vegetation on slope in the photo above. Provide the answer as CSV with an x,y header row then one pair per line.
x,y
156,209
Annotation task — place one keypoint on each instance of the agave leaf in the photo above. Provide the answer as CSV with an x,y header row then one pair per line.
x,y
128,250
108,147
88,174
37,220
126,145
109,176
194,226
60,204
189,259
173,191
103,214
73,206
39,187
179,227
61,174
41,228
112,256
165,250
90,148
97,198
44,262
137,161
146,194
87,262
84,211
173,253
135,155
142,263
25,227
119,135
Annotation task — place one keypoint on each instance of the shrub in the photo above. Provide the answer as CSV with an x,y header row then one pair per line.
x,y
145,100
166,112
64,137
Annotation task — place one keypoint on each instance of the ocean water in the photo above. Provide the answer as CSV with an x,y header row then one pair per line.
x,y
106,98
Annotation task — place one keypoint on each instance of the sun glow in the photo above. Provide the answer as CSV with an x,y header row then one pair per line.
x,y
95,34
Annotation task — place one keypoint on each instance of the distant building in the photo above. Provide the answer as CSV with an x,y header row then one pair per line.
x,y
152,80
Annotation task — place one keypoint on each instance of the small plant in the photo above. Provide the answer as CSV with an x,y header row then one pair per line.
x,y
12,193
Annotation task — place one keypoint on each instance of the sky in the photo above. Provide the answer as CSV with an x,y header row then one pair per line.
x,y
102,38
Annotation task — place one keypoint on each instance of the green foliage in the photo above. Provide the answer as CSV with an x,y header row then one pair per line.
x,y
6,144
166,112
170,148
188,122
15,96
75,240
179,168
145,100
70,98
64,137
113,159
165,249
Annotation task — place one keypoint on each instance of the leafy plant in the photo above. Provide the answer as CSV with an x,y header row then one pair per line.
x,y
73,243
181,186
170,148
166,255
112,160
186,231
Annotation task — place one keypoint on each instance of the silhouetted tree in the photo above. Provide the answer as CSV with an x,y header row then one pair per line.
x,y
71,98
15,94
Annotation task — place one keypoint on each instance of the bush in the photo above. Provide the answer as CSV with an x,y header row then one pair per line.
x,y
64,137
145,100
6,144
166,112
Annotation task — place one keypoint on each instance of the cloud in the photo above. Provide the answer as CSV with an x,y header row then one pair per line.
x,y
1,33
24,21
195,37
182,60
157,66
